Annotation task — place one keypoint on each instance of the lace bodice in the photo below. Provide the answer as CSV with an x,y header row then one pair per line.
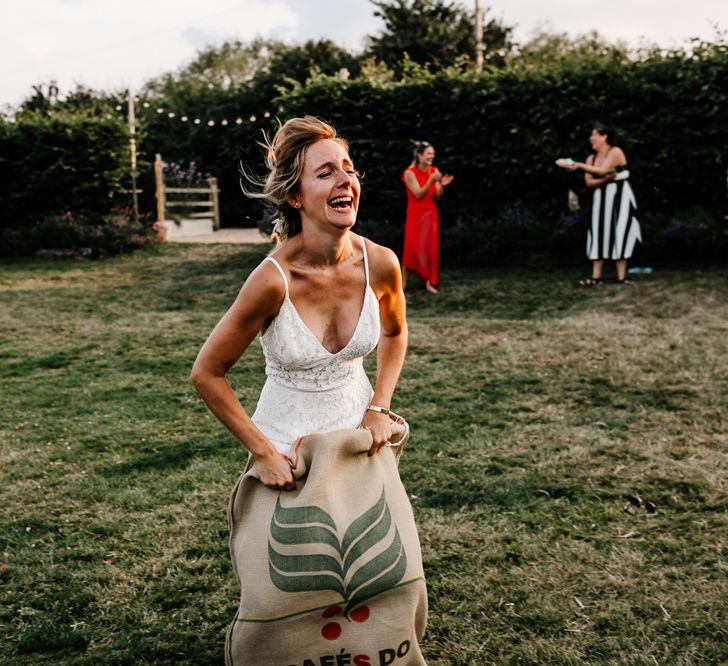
x,y
310,389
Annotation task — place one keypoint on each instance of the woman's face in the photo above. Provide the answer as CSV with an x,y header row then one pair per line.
x,y
329,189
426,157
597,140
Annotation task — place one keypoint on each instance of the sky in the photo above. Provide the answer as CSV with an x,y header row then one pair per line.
x,y
112,44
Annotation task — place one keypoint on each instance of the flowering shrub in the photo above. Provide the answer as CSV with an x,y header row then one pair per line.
x,y
185,175
64,180
88,234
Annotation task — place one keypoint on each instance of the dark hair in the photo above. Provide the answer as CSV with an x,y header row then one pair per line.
x,y
608,131
420,147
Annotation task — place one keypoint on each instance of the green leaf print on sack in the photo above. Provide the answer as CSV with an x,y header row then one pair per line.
x,y
349,568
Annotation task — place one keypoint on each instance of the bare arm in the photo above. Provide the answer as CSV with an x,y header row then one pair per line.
x,y
590,180
614,159
387,283
257,302
410,180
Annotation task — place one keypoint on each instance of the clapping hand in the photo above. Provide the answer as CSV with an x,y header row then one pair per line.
x,y
446,180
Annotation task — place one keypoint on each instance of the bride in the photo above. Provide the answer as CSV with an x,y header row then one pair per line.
x,y
324,299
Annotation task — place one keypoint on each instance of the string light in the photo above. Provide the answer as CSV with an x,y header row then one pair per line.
x,y
184,118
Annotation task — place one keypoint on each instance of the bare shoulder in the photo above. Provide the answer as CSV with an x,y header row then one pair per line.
x,y
619,156
384,267
589,159
263,291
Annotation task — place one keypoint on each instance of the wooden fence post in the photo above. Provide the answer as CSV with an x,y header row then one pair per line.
x,y
215,203
159,194
159,182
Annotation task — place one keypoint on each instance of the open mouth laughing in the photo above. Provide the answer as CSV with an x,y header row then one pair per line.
x,y
341,204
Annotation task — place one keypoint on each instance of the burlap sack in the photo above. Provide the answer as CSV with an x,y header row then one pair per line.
x,y
330,573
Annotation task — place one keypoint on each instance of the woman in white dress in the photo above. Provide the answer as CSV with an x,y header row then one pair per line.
x,y
324,299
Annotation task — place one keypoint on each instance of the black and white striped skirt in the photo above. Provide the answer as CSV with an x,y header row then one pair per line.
x,y
614,229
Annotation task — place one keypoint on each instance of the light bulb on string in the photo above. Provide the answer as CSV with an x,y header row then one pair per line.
x,y
171,114
238,121
224,121
118,107
266,114
253,118
210,123
146,105
160,110
184,119
197,121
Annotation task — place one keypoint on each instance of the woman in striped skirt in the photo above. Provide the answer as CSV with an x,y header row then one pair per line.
x,y
614,230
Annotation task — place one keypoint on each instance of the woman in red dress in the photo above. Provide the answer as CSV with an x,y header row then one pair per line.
x,y
424,184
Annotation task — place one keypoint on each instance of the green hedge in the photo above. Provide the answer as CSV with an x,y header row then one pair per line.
x,y
217,150
500,133
63,178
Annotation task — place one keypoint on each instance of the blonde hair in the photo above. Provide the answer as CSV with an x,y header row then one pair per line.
x,y
285,158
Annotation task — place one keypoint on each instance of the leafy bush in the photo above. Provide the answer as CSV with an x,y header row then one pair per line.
x,y
92,235
500,132
63,179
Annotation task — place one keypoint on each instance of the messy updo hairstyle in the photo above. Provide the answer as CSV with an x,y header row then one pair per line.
x,y
285,159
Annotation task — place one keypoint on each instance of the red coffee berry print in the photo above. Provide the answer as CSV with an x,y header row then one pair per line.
x,y
330,612
331,631
360,614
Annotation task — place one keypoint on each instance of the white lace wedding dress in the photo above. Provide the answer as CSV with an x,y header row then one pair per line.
x,y
309,389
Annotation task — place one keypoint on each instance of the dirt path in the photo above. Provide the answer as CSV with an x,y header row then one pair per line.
x,y
224,236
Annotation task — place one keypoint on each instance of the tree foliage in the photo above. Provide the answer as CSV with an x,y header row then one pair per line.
x,y
259,66
63,176
498,131
501,131
433,32
546,49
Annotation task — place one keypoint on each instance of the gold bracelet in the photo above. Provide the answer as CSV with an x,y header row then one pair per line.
x,y
377,408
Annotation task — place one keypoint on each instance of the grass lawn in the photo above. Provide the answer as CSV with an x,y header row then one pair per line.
x,y
536,407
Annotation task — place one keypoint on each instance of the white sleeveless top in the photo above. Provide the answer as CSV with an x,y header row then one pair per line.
x,y
308,388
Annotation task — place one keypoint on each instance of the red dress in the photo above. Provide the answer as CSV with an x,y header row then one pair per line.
x,y
421,245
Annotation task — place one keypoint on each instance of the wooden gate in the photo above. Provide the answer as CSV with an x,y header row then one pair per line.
x,y
204,201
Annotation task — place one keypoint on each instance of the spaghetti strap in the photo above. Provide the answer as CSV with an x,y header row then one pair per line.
x,y
366,259
281,271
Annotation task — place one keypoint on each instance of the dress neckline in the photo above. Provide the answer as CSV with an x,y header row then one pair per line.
x,y
312,335
367,290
